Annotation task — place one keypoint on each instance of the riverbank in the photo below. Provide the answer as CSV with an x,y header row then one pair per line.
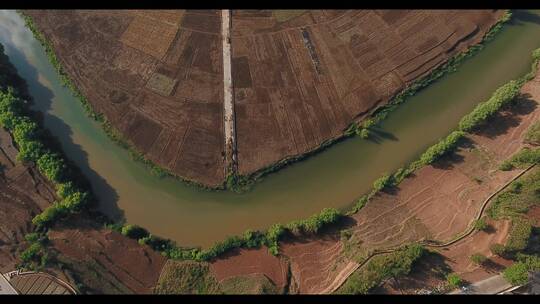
x,y
437,202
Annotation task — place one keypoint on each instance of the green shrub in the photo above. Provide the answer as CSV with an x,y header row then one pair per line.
x,y
478,258
498,249
382,182
481,225
52,166
517,274
533,133
134,232
485,110
441,148
519,235
272,237
454,280
522,159
363,133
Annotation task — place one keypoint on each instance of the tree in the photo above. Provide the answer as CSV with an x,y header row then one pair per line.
x,y
478,258
381,183
498,249
363,133
454,280
517,273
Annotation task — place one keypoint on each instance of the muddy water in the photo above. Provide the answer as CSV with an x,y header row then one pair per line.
x,y
333,178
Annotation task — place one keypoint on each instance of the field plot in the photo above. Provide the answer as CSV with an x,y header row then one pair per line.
x,y
334,68
155,75
300,77
105,261
23,194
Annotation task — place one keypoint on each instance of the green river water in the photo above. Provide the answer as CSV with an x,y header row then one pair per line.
x,y
333,178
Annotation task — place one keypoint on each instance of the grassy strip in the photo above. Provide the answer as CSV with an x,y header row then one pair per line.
x,y
107,127
533,134
187,278
524,158
380,268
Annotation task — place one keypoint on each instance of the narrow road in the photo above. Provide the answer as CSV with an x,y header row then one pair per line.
x,y
228,100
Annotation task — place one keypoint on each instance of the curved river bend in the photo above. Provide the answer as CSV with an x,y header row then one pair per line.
x,y
333,178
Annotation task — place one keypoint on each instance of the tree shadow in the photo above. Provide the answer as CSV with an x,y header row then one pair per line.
x,y
449,160
492,267
378,135
60,135
509,118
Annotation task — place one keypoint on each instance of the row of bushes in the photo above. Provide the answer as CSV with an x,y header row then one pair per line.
x,y
518,273
30,142
487,109
382,267
250,239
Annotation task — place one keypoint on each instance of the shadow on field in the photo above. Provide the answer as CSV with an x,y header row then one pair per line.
x,y
448,161
61,137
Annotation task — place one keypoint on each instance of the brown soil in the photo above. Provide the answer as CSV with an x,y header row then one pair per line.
x,y
105,261
334,67
23,194
120,51
241,262
298,82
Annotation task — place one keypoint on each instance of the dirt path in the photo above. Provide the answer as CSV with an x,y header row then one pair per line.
x,y
228,101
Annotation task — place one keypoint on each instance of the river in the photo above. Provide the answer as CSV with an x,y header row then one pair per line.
x,y
333,178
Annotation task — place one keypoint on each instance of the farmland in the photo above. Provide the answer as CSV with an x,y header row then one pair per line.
x,y
160,75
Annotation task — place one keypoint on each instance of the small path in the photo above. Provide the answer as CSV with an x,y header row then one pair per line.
x,y
228,99
344,274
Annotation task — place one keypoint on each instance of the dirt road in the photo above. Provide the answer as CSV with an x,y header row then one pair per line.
x,y
228,102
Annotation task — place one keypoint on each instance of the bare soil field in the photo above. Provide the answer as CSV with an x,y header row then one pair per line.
x,y
244,262
155,75
24,193
334,68
104,260
300,78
